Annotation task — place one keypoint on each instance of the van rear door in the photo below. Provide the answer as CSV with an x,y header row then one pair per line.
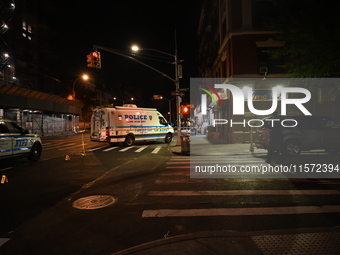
x,y
98,129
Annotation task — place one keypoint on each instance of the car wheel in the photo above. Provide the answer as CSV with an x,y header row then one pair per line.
x,y
292,148
129,140
35,152
168,138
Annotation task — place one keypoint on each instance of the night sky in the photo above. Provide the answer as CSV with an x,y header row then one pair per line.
x,y
119,25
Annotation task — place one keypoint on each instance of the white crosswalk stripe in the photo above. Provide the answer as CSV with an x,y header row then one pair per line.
x,y
127,148
156,150
177,172
241,211
111,148
141,149
56,146
97,148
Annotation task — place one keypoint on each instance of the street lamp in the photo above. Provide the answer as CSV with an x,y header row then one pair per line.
x,y
85,77
135,48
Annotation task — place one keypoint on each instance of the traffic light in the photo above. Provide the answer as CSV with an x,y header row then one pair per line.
x,y
93,60
90,60
184,109
96,59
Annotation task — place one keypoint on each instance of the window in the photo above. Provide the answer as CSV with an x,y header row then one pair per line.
x,y
13,128
162,121
24,25
3,128
27,30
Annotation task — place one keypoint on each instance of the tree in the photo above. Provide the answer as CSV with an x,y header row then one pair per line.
x,y
310,30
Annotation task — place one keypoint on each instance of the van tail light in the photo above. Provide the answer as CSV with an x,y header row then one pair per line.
x,y
107,131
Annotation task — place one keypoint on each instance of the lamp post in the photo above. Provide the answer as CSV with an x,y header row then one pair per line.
x,y
85,77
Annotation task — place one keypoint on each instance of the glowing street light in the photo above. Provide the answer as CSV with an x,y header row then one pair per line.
x,y
84,77
135,48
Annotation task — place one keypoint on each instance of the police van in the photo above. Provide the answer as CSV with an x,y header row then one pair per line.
x,y
127,124
15,141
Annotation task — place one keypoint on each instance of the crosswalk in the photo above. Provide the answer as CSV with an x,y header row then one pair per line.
x,y
177,174
136,149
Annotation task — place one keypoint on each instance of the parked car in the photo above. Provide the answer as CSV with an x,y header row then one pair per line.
x,y
311,132
16,141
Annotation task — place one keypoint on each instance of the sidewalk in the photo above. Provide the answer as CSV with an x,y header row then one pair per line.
x,y
200,145
323,241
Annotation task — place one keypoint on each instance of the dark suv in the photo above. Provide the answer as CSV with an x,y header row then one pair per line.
x,y
311,132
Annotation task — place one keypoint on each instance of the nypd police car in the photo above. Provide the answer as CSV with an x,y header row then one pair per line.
x,y
16,141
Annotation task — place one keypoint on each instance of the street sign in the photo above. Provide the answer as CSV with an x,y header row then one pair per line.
x,y
184,89
174,93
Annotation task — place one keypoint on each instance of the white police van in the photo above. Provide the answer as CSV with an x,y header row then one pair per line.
x,y
127,124
15,141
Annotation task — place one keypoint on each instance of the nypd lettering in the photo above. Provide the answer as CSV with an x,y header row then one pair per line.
x,y
21,143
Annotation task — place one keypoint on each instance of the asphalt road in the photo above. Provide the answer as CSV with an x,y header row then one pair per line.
x,y
152,196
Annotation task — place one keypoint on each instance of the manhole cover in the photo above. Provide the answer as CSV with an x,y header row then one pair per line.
x,y
94,202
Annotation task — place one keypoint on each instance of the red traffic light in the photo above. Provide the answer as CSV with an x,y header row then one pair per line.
x,y
95,54
93,60
184,109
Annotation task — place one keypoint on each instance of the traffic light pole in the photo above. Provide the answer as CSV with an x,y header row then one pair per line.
x,y
178,98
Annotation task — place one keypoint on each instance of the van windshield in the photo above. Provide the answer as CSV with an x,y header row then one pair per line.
x,y
162,121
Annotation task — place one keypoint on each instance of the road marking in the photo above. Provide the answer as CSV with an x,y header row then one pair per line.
x,y
243,192
180,158
49,147
240,211
141,148
156,150
66,146
98,148
176,163
4,240
127,148
186,181
111,148
5,169
175,173
177,167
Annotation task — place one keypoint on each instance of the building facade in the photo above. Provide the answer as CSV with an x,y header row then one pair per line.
x,y
235,43
31,91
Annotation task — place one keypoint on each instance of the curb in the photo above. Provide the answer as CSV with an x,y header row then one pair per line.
x,y
177,150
